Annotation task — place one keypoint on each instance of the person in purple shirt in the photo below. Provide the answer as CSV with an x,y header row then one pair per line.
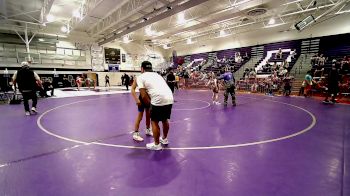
x,y
229,85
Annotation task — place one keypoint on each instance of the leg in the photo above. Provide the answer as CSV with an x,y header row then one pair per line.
x,y
225,96
216,97
165,129
148,118
233,95
333,93
328,94
136,134
137,121
333,97
301,91
34,99
156,131
25,101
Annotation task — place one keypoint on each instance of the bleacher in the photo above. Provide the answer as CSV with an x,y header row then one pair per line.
x,y
270,51
335,48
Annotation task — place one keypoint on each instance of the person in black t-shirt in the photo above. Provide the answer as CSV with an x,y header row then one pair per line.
x,y
333,85
27,81
126,81
107,81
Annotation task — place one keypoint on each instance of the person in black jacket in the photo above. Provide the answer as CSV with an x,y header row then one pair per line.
x,y
333,84
170,80
27,81
126,81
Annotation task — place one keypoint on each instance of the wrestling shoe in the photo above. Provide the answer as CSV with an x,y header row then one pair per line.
x,y
153,146
149,132
34,110
163,141
136,136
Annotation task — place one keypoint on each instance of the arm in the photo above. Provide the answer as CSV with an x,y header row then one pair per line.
x,y
38,81
208,83
144,96
133,92
143,93
221,77
14,79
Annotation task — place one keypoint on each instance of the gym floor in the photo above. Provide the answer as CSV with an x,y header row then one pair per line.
x,y
263,146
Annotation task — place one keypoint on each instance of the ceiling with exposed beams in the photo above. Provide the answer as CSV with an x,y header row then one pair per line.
x,y
160,22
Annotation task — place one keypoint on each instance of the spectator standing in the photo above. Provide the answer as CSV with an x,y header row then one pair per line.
x,y
27,81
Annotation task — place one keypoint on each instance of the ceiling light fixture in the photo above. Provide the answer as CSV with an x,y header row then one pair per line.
x,y
222,33
181,18
126,39
50,18
149,31
41,39
272,21
64,29
190,41
77,14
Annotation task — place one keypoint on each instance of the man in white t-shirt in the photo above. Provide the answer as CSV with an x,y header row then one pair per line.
x,y
155,92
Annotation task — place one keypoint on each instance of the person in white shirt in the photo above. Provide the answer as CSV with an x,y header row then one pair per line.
x,y
155,92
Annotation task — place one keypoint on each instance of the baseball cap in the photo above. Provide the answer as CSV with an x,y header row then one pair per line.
x,y
25,64
146,65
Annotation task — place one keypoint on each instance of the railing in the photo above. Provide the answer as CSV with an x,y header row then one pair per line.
x,y
261,85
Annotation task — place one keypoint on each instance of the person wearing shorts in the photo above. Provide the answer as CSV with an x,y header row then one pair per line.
x,y
155,92
214,85
141,107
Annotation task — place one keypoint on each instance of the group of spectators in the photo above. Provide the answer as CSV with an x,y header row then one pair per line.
x,y
277,80
328,80
281,69
229,62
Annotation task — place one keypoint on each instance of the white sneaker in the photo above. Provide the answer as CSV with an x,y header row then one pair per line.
x,y
34,110
217,103
164,141
149,132
136,136
27,113
153,146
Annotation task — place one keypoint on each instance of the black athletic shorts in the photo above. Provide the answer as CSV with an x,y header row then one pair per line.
x,y
160,113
